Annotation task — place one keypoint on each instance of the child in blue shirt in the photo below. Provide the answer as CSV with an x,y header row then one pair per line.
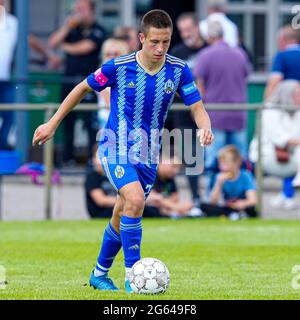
x,y
235,185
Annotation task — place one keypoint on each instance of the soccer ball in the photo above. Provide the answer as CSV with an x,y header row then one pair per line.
x,y
149,276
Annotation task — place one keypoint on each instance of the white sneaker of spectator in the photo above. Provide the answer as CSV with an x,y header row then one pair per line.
x,y
195,212
234,216
296,181
282,202
290,204
277,201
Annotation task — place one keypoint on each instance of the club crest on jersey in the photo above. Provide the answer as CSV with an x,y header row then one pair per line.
x,y
119,172
169,86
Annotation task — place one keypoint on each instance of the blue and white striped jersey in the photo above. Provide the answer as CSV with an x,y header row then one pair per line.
x,y
140,101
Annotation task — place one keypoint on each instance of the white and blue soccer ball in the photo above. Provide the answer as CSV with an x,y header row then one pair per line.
x,y
149,276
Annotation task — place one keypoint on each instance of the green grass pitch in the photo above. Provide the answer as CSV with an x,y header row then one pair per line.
x,y
207,259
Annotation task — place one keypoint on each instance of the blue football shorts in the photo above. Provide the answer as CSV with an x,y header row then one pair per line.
x,y
120,175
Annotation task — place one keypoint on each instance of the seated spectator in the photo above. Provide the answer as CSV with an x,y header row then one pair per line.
x,y
164,198
235,185
99,193
162,201
281,141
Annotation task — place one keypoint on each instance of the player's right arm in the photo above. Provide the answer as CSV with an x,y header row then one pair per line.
x,y
47,130
97,81
191,96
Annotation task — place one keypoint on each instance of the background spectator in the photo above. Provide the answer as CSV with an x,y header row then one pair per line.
x,y
52,60
164,198
130,35
281,129
99,193
111,48
188,26
192,43
216,12
286,63
249,54
235,185
80,38
222,73
8,41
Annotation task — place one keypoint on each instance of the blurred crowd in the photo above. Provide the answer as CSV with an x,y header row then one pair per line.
x,y
221,65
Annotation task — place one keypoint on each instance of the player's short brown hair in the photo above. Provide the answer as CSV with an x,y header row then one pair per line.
x,y
158,19
232,151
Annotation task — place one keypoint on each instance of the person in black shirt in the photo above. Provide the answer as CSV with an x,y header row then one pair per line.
x,y
80,38
164,198
188,26
99,193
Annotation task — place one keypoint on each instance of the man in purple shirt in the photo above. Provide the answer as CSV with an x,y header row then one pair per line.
x,y
221,72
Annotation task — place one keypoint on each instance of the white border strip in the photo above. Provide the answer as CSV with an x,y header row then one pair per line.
x,y
104,159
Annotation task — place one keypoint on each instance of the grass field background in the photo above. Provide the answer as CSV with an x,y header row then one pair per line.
x,y
207,259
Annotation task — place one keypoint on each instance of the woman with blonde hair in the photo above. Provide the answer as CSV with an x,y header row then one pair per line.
x,y
111,48
281,141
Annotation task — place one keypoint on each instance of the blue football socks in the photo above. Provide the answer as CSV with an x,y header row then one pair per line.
x,y
111,244
131,236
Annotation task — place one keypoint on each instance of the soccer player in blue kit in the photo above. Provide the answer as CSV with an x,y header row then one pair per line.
x,y
143,85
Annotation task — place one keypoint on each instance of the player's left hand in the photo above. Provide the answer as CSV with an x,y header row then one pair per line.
x,y
206,137
43,133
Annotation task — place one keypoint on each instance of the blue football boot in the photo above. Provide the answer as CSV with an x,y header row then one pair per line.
x,y
128,288
102,283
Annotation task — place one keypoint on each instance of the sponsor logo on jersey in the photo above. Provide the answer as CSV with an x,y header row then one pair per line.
x,y
169,86
119,172
189,88
100,77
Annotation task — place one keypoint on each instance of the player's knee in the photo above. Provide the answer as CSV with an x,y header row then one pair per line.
x,y
115,222
134,205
